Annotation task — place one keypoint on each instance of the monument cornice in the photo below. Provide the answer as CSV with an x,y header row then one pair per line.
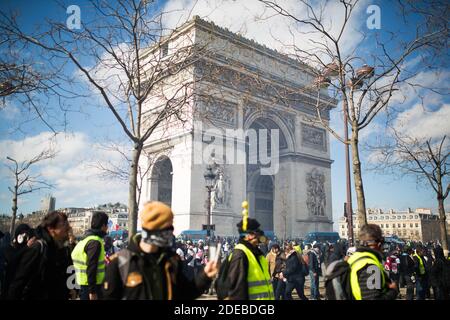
x,y
307,158
249,43
314,220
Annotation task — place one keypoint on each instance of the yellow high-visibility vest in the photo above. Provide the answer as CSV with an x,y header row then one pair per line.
x,y
298,249
258,278
80,261
357,261
421,265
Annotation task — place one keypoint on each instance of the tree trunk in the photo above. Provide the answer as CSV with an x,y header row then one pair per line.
x,y
14,212
443,224
132,190
357,176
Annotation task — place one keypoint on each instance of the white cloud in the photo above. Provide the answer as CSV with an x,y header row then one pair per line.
x,y
77,181
9,111
418,87
420,123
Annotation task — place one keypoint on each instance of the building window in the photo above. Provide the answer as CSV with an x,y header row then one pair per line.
x,y
393,217
399,217
387,225
404,225
417,225
416,216
411,216
382,225
410,225
370,218
381,218
398,225
404,217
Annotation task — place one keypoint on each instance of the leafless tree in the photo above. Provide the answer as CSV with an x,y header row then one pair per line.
x,y
122,50
427,159
25,181
364,91
36,87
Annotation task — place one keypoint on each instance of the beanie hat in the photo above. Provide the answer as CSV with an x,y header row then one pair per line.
x,y
156,216
252,226
22,228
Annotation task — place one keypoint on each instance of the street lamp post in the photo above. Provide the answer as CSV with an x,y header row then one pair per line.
x,y
347,178
209,180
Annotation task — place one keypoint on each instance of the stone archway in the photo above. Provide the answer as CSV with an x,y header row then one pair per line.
x,y
260,192
260,188
161,181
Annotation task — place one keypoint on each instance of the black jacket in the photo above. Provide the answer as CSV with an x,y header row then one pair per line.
x,y
294,269
42,271
93,249
238,271
406,264
11,256
440,271
364,278
313,262
154,276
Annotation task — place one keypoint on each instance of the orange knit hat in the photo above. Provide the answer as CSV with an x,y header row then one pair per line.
x,y
156,216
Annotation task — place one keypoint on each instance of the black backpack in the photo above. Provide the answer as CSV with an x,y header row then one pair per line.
x,y
337,281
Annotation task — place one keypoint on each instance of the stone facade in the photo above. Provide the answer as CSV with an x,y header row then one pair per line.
x,y
417,225
242,86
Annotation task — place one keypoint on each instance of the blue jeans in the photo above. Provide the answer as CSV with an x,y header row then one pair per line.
x,y
314,285
421,288
280,291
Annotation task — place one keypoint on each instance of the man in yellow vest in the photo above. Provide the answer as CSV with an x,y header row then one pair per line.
x,y
368,279
88,258
248,274
421,274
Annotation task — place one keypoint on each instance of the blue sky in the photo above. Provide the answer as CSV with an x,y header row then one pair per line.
x,y
86,132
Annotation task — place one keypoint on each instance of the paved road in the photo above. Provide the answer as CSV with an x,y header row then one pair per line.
x,y
307,292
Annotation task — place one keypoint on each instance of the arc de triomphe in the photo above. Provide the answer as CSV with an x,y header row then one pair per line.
x,y
296,199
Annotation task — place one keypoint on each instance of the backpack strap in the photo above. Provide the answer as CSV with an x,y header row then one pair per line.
x,y
124,257
43,258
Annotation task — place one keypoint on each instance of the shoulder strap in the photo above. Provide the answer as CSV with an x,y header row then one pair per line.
x,y
124,257
43,258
